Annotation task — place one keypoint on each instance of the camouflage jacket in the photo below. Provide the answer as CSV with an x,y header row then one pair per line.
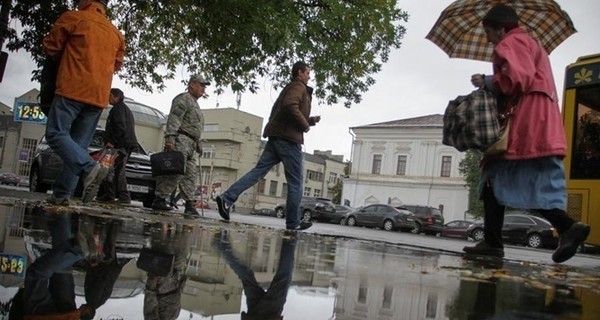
x,y
185,117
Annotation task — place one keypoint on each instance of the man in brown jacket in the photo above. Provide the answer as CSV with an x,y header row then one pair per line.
x,y
289,120
90,50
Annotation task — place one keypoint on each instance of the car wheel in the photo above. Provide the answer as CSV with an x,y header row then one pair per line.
x,y
477,234
279,213
416,229
351,221
534,240
343,221
388,225
306,215
35,182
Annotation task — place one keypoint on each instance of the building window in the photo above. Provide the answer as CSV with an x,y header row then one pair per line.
x,y
306,192
317,193
446,165
401,167
25,156
284,190
333,177
273,188
363,291
376,164
314,175
261,186
388,291
205,178
208,152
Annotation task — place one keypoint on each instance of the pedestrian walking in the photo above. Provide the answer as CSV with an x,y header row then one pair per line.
x,y
119,135
530,173
289,120
183,133
90,49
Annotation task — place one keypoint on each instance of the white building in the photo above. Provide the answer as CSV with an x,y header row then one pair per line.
x,y
404,162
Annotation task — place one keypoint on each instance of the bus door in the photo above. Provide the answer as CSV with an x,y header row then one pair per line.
x,y
581,116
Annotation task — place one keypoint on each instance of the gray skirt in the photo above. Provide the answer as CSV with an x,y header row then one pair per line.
x,y
527,184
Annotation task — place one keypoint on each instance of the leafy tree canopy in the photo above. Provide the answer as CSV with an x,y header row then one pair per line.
x,y
237,42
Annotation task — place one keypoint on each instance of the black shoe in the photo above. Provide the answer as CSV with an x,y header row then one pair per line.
x,y
484,249
302,226
190,208
160,204
59,201
223,208
569,241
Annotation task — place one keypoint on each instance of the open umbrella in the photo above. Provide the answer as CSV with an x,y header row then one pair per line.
x,y
459,32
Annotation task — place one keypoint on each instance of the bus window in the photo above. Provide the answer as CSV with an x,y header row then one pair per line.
x,y
586,134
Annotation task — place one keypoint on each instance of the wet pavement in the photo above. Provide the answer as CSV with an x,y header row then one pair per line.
x,y
139,265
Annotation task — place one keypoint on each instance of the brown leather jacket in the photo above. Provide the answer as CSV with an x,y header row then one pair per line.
x,y
290,115
90,49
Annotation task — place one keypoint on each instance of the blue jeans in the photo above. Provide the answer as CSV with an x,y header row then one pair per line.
x,y
277,150
69,130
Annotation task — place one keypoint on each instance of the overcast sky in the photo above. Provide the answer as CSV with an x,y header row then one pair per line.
x,y
418,79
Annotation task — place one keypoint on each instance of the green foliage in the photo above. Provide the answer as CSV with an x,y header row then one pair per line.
x,y
238,42
469,168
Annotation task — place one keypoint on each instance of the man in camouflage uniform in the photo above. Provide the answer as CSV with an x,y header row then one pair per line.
x,y
184,129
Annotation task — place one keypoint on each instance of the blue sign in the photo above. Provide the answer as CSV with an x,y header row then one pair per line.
x,y
583,75
29,112
12,264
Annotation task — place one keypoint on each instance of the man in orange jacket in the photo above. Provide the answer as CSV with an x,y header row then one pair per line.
x,y
90,50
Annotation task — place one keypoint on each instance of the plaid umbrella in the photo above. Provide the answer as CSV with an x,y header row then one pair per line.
x,y
459,32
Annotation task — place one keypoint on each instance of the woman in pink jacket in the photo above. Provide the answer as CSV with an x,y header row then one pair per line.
x,y
530,174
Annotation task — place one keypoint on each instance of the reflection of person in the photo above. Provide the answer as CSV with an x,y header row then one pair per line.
x,y
49,290
162,298
263,304
289,120
120,135
90,49
184,129
530,174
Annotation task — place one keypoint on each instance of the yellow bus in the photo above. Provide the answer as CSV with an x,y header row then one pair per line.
x,y
581,116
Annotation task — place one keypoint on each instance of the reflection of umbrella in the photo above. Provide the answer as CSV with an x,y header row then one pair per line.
x,y
459,32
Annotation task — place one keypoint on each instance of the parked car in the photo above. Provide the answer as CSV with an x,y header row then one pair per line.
x,y
463,229
24,182
9,178
46,166
524,229
264,212
382,216
311,208
429,220
340,213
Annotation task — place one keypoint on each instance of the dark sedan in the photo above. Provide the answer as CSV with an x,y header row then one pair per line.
x,y
462,229
9,178
523,229
382,216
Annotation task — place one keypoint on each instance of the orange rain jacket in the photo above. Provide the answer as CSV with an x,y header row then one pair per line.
x,y
91,50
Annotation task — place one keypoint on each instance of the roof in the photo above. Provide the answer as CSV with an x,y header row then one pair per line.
x,y
432,120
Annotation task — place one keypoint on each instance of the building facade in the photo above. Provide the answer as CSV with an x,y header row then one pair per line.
x,y
404,162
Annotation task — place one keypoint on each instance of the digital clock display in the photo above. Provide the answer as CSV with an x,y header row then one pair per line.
x,y
29,112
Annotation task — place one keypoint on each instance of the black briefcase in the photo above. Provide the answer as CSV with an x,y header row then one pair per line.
x,y
167,163
155,262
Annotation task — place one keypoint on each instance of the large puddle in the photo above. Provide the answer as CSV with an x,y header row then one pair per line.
x,y
139,266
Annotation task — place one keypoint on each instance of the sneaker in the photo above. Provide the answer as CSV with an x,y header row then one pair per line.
x,y
190,208
302,226
105,199
223,208
484,249
59,201
569,241
160,204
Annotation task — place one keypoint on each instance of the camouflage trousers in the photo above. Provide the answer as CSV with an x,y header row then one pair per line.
x,y
165,185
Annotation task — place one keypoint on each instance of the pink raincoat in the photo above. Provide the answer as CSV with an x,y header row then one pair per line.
x,y
521,66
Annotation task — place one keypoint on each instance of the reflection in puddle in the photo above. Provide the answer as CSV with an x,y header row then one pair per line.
x,y
149,267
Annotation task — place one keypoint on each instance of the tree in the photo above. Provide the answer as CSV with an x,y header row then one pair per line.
x,y
469,168
238,42
337,189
